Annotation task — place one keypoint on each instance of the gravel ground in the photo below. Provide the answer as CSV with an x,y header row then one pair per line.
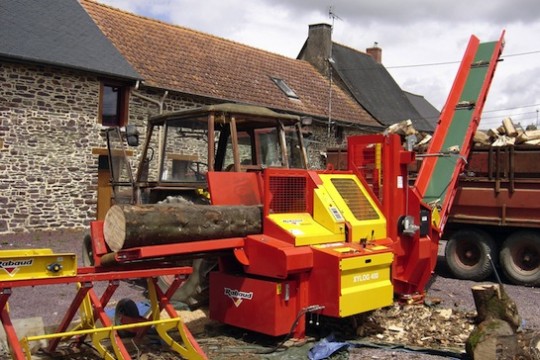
x,y
49,302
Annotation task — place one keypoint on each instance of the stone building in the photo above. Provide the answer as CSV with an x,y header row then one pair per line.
x,y
69,70
55,71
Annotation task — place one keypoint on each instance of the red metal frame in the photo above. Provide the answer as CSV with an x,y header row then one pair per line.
x,y
415,256
86,277
243,188
447,115
285,258
261,304
170,250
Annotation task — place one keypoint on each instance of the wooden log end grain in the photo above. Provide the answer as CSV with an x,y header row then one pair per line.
x,y
114,228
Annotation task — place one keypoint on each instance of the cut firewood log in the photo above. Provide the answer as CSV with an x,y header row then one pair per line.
x,y
403,128
532,142
522,137
532,134
509,128
520,134
128,226
482,138
493,133
528,135
504,141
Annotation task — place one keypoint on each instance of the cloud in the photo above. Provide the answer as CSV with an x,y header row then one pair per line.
x,y
413,32
418,11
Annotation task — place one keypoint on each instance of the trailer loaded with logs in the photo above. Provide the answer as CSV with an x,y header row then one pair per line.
x,y
288,242
495,216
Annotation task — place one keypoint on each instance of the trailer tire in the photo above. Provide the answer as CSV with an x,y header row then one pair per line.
x,y
520,258
467,253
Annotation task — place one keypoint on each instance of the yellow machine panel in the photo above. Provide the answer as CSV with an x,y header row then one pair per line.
x,y
361,278
356,205
27,264
326,213
365,283
305,229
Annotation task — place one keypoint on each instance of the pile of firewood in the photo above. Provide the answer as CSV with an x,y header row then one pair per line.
x,y
506,134
411,137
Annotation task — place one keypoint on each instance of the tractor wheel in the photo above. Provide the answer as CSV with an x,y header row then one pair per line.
x,y
520,258
87,252
467,253
191,292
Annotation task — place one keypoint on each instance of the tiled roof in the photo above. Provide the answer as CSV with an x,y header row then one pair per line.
x,y
180,59
60,33
374,88
424,108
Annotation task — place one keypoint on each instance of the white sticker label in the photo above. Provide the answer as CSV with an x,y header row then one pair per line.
x,y
400,182
337,215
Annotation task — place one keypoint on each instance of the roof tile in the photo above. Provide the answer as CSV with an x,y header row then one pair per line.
x,y
180,59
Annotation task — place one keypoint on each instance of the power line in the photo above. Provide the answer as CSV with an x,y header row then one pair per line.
x,y
457,62
498,116
522,54
421,65
512,108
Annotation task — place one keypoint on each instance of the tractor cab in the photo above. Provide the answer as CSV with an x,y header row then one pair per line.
x,y
180,147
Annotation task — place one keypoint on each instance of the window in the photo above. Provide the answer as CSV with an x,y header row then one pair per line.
x,y
339,134
282,85
113,105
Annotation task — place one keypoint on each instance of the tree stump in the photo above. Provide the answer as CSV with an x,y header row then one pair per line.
x,y
492,302
128,226
498,319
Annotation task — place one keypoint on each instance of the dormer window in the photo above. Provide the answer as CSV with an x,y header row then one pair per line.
x,y
282,85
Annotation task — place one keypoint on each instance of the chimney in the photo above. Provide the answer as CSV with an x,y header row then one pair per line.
x,y
375,52
318,47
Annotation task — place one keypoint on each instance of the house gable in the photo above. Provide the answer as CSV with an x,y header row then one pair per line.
x,y
363,76
373,87
59,33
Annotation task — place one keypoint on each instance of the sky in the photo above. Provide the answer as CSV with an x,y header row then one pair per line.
x,y
422,41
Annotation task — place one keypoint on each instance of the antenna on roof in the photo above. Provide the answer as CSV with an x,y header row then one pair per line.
x,y
332,15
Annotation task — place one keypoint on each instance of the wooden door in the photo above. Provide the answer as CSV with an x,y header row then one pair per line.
x,y
104,192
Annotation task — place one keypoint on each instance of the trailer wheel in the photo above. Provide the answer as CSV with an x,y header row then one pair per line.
x,y
520,258
467,253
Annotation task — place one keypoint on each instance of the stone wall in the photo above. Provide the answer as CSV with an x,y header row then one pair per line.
x,y
48,129
320,139
48,121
